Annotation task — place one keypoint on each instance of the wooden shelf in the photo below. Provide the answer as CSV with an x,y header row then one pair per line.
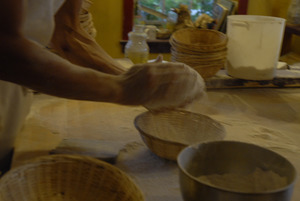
x,y
155,46
290,30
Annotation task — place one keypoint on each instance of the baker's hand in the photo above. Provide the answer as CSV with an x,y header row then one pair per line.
x,y
161,86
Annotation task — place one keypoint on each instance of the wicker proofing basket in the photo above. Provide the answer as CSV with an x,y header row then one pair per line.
x,y
203,49
195,49
167,133
199,57
68,178
205,69
199,39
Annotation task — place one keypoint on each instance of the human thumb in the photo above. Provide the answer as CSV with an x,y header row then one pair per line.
x,y
159,59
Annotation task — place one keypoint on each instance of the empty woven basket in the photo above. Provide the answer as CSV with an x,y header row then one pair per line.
x,y
167,133
204,50
201,40
68,178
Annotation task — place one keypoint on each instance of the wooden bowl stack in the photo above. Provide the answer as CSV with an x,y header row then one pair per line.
x,y
205,50
68,178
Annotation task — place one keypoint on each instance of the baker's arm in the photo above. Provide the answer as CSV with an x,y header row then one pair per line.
x,y
155,85
28,64
72,42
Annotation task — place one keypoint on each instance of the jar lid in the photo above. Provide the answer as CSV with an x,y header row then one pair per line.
x,y
141,35
138,28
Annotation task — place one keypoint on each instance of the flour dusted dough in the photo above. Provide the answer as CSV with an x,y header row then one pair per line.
x,y
183,90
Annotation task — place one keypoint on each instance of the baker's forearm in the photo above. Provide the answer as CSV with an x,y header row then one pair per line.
x,y
72,42
85,53
30,65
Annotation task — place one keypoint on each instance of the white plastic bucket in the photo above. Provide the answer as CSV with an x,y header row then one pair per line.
x,y
254,44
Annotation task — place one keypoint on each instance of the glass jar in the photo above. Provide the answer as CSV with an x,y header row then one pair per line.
x,y
137,49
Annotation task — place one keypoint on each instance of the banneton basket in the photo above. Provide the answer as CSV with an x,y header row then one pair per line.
x,y
199,39
198,57
205,50
207,71
167,133
68,178
195,49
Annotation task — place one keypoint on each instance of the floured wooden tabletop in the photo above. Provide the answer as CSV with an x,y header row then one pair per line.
x,y
267,117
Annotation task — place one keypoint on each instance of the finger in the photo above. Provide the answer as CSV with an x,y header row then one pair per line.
x,y
159,59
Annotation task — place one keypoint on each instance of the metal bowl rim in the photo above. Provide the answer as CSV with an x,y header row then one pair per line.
x,y
195,146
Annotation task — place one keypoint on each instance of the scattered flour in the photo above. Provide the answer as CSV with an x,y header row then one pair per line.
x,y
258,181
156,177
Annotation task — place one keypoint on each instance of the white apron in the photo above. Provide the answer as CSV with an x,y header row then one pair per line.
x,y
15,100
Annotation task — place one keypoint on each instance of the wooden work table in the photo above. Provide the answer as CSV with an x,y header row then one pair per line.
x,y
268,117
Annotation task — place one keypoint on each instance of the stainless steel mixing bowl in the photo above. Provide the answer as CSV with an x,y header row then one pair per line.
x,y
223,157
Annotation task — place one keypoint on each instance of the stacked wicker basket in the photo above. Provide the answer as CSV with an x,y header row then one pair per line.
x,y
203,49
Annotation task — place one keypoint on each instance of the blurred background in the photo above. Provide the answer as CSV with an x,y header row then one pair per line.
x,y
109,18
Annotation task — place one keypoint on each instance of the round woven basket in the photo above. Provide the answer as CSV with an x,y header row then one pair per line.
x,y
207,71
199,57
193,49
203,55
167,133
199,39
68,178
205,50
